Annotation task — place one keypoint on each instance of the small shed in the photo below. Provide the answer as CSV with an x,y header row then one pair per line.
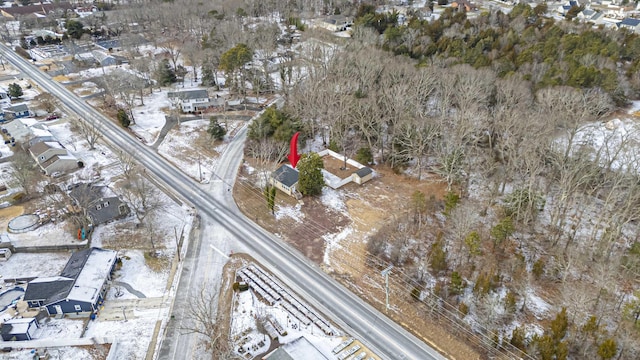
x,y
285,178
362,175
19,329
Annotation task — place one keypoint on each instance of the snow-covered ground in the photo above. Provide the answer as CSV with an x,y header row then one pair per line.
x,y
244,328
150,117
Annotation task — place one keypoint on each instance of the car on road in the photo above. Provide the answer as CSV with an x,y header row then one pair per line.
x,y
52,117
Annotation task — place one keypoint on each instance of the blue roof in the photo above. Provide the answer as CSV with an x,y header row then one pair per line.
x,y
629,22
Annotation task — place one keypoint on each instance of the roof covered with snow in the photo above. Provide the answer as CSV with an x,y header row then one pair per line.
x,y
95,270
81,279
17,326
298,349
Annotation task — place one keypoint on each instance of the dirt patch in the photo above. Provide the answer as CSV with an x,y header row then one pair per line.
x,y
7,214
368,207
337,167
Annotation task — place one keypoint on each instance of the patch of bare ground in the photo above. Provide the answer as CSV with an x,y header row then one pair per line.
x,y
98,351
369,207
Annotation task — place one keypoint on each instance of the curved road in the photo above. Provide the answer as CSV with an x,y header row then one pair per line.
x,y
355,316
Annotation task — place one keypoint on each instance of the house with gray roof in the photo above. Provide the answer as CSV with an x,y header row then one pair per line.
x,y
53,158
285,178
79,289
98,204
17,111
190,100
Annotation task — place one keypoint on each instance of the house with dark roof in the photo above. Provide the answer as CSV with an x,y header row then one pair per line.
x,y
285,178
630,24
190,100
99,205
79,289
19,329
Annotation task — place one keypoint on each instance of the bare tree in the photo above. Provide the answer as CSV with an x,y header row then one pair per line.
x,y
25,172
89,130
203,319
142,196
127,163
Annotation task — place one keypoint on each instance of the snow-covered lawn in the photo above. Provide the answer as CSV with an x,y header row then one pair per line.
x,y
22,265
178,148
150,117
135,273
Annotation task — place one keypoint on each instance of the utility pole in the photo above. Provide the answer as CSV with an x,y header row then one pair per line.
x,y
385,273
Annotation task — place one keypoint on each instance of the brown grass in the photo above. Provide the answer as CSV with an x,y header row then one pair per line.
x,y
369,207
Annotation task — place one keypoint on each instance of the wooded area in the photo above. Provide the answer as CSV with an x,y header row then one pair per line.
x,y
495,106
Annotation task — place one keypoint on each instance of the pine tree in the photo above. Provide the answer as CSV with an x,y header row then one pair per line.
x,y
608,349
310,179
15,91
216,130
123,118
165,75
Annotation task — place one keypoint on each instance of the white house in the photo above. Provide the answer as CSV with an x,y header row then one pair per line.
x,y
336,23
190,100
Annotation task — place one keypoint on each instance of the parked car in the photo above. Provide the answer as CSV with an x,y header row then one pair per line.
x,y
52,117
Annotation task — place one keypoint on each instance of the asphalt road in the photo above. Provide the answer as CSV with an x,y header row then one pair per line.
x,y
355,316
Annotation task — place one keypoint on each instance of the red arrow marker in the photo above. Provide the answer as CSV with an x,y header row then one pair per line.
x,y
293,150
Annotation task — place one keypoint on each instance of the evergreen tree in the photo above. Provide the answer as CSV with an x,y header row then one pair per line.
x,y
270,195
123,118
15,91
310,179
75,29
608,349
165,75
216,130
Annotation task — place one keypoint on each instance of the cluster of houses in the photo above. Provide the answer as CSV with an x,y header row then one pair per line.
x,y
42,10
78,291
9,111
48,153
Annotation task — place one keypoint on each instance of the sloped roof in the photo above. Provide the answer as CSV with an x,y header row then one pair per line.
x,y
42,147
629,22
189,94
81,279
56,158
48,289
286,175
109,210
31,9
364,171
18,108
